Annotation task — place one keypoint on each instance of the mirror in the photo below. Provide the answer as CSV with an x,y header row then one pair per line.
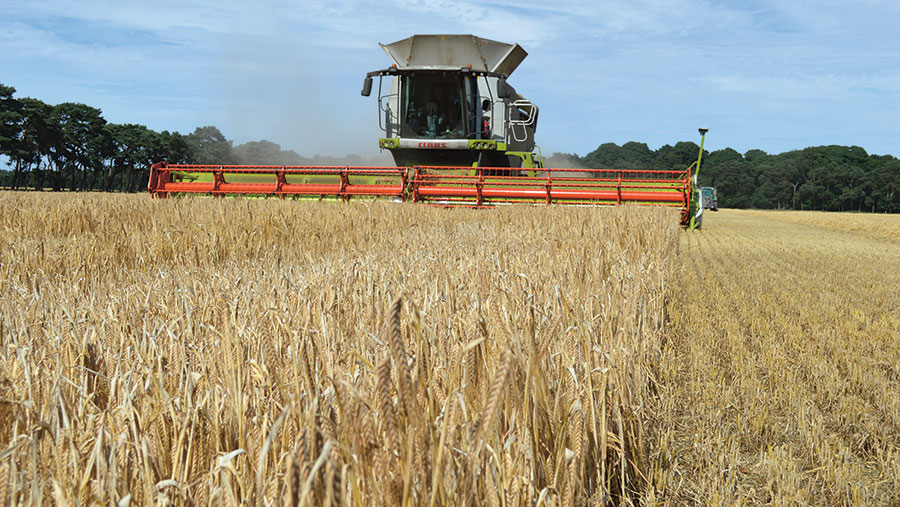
x,y
502,89
367,87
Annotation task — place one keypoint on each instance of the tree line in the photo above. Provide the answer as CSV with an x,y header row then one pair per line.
x,y
71,146
831,178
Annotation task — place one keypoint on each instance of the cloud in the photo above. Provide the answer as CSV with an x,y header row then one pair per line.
x,y
290,71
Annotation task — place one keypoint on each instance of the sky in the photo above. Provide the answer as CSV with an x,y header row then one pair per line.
x,y
770,74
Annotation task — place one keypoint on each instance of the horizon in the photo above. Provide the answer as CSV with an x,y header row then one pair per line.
x,y
772,77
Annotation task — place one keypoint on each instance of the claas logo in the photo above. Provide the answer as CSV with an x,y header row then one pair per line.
x,y
427,144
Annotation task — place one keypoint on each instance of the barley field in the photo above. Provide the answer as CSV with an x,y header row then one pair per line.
x,y
267,352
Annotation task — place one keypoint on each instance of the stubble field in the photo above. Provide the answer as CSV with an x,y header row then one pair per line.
x,y
781,382
207,351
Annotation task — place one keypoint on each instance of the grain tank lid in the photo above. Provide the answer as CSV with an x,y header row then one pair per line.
x,y
455,51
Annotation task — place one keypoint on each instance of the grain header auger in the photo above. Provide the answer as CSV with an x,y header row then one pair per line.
x,y
460,135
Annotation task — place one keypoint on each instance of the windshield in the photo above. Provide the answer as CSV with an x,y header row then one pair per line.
x,y
435,106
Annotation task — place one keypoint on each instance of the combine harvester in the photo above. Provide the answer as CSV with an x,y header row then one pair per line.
x,y
460,135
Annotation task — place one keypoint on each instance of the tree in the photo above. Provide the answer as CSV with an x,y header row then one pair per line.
x,y
132,148
10,132
35,137
209,146
757,157
267,153
604,157
678,157
711,169
735,184
787,178
635,155
852,192
10,116
173,148
259,152
884,182
84,142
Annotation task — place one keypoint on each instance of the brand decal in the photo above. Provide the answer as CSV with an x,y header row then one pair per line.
x,y
429,144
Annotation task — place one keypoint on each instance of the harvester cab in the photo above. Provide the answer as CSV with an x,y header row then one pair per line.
x,y
710,198
448,103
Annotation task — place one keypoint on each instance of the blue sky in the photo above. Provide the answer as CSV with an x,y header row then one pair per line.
x,y
773,75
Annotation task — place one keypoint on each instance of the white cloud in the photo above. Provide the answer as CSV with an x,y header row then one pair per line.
x,y
290,71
